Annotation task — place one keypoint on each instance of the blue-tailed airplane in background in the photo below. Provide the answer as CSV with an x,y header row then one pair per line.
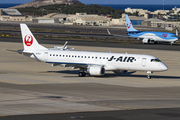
x,y
148,36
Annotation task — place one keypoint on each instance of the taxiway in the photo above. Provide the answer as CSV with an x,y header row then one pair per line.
x,y
29,87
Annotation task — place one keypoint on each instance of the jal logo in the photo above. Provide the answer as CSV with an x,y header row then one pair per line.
x,y
28,40
129,25
165,35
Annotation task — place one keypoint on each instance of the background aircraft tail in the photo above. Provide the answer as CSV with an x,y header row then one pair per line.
x,y
176,32
29,41
129,25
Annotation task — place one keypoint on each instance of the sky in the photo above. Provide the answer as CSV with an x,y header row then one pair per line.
x,y
108,1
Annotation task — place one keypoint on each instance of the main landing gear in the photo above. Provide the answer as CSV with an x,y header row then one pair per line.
x,y
149,74
82,74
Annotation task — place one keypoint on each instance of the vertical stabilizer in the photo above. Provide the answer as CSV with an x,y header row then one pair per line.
x,y
129,25
29,41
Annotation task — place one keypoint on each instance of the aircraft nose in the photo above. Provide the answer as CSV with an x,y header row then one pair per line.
x,y
164,67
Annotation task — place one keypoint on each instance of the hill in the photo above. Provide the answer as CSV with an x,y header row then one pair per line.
x,y
71,9
37,3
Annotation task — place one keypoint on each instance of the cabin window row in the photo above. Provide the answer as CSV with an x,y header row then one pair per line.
x,y
77,56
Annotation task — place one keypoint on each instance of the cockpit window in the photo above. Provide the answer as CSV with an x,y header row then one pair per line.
x,y
173,36
155,60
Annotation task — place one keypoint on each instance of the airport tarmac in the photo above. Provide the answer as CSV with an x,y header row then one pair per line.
x,y
30,87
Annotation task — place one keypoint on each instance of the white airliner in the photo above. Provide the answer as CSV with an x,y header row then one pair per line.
x,y
64,47
148,36
94,63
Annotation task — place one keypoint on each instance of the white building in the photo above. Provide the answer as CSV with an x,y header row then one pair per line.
x,y
91,20
122,21
140,11
164,12
11,15
175,8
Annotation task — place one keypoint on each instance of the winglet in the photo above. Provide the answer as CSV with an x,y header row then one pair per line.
x,y
129,25
65,45
108,32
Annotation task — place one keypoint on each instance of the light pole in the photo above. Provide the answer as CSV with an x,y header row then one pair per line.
x,y
163,4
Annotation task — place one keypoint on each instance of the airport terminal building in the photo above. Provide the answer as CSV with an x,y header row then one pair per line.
x,y
11,15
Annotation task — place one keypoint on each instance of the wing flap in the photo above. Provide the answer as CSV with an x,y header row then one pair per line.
x,y
74,65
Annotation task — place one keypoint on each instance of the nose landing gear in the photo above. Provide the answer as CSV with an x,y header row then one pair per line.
x,y
149,74
172,43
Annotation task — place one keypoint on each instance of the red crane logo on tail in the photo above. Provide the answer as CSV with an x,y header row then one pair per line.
x,y
28,40
129,25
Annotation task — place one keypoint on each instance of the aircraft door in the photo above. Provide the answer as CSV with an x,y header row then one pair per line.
x,y
46,56
143,62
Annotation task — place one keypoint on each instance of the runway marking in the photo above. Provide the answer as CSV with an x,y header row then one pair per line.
x,y
3,115
109,105
71,99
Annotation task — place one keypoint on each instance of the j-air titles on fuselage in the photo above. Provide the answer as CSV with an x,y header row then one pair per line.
x,y
122,59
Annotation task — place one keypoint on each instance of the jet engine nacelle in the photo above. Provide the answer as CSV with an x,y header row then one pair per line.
x,y
96,70
145,40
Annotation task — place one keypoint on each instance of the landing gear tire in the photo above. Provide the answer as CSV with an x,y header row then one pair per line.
x,y
82,74
172,43
149,74
149,77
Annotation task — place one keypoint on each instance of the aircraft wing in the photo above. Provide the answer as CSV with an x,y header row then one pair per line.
x,y
64,64
73,65
116,35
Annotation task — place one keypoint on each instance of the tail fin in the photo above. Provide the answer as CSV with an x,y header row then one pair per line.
x,y
108,32
29,41
130,27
